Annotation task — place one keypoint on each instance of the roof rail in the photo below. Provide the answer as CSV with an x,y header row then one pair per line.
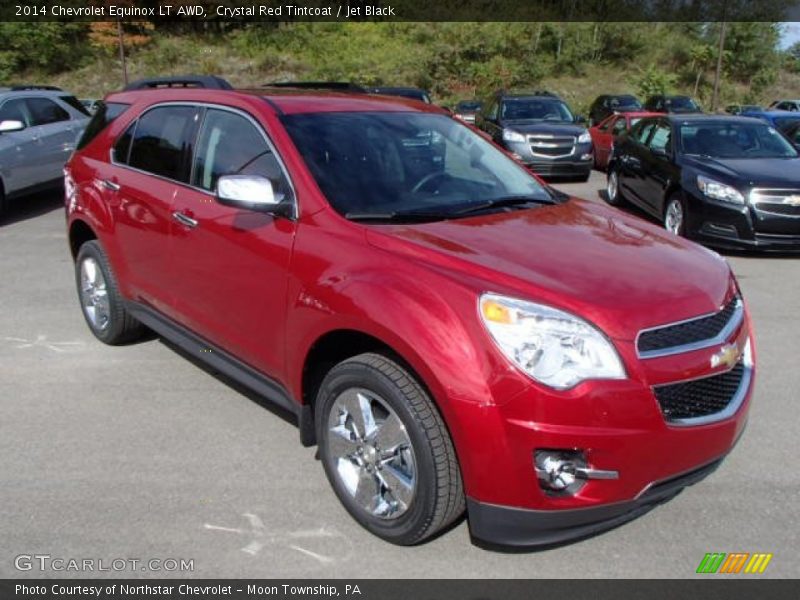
x,y
343,86
28,88
180,81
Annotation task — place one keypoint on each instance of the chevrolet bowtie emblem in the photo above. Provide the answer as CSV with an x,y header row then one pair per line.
x,y
792,200
728,355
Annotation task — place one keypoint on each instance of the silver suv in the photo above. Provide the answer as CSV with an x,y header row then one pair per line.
x,y
39,126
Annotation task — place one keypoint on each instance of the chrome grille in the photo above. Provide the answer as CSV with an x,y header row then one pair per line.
x,y
692,334
552,146
785,202
690,401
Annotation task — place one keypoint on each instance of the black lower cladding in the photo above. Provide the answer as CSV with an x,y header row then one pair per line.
x,y
519,527
700,397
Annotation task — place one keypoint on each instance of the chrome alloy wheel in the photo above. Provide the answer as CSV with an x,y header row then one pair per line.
x,y
612,187
673,217
94,294
372,453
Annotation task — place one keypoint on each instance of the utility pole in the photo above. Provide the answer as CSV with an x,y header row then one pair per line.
x,y
122,53
718,73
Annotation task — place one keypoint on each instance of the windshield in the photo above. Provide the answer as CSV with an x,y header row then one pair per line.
x,y
535,109
626,102
681,103
468,105
385,164
735,140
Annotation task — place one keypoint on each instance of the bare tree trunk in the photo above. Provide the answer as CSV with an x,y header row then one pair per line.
x,y
122,53
697,83
718,73
538,37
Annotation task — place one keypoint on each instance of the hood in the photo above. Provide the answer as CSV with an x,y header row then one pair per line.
x,y
617,271
554,128
750,172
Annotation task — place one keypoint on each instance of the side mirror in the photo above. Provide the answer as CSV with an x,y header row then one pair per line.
x,y
9,126
580,119
252,192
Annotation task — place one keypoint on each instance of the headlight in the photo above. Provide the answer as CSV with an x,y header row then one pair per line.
x,y
553,347
719,191
509,135
585,138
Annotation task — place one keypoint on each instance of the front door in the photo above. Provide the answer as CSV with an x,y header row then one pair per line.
x,y
229,265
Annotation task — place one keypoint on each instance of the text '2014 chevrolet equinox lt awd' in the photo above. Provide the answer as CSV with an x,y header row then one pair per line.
x,y
452,333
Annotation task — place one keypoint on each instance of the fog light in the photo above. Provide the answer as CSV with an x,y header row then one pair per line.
x,y
557,470
587,156
565,471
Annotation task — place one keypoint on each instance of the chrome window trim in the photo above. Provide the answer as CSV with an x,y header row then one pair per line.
x,y
733,323
736,401
205,105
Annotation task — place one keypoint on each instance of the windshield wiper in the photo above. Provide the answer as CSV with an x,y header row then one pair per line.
x,y
400,215
505,201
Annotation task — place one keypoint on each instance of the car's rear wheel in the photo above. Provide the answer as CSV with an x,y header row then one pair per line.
x,y
101,302
386,450
613,194
675,215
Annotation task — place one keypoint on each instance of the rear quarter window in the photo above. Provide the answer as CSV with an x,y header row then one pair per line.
x,y
74,103
105,114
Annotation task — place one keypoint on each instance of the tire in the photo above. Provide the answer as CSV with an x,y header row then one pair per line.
x,y
613,194
101,303
408,489
3,201
675,214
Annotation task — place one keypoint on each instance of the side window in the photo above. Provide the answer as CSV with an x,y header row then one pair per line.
x,y
44,111
122,148
619,126
105,114
15,110
162,142
661,137
229,144
642,131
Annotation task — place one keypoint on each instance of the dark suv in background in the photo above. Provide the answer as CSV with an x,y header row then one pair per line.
x,y
541,132
672,104
608,104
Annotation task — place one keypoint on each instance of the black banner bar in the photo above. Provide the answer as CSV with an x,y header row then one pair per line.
x,y
195,11
708,588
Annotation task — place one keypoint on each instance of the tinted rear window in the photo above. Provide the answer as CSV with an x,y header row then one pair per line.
x,y
74,103
162,143
105,114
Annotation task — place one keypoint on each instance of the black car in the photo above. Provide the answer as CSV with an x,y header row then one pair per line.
x,y
541,132
608,104
467,110
402,92
672,104
730,182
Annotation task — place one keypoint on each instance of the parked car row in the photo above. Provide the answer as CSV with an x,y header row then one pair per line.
x,y
452,333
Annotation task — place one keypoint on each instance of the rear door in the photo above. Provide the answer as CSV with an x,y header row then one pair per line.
x,y
55,139
229,266
151,159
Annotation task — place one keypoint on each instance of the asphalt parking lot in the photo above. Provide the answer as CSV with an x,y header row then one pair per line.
x,y
136,452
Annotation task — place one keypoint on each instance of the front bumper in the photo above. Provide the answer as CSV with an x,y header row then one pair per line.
x,y
508,526
733,227
577,163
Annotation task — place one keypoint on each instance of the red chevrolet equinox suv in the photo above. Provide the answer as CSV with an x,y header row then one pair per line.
x,y
453,334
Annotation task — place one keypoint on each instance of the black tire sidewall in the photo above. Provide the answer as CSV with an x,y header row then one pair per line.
x,y
116,320
411,526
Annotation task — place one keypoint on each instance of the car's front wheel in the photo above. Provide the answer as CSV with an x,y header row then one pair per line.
x,y
675,215
101,302
386,450
613,193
